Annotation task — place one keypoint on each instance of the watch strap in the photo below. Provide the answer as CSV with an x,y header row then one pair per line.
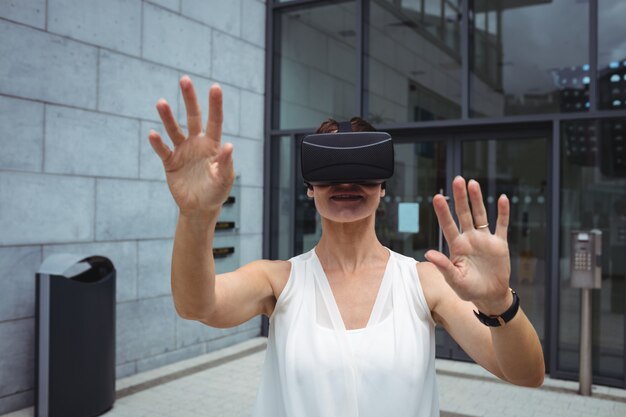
x,y
502,319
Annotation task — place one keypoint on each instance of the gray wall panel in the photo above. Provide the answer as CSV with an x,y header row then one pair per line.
x,y
114,24
131,87
219,14
17,401
29,12
251,210
246,160
145,328
45,208
17,344
154,264
150,165
36,65
173,5
253,22
134,210
185,45
17,281
101,145
245,69
252,115
21,134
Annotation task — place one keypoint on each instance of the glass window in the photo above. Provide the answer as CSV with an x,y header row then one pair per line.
x,y
413,65
294,220
281,211
593,196
529,59
612,54
315,65
308,223
517,168
405,219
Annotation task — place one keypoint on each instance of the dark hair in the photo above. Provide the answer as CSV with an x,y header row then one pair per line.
x,y
358,125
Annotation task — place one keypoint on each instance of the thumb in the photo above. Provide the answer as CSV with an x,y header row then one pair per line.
x,y
224,157
443,264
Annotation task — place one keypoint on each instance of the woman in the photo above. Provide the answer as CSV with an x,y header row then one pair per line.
x,y
351,322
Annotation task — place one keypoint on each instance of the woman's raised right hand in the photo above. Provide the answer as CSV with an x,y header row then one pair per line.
x,y
199,170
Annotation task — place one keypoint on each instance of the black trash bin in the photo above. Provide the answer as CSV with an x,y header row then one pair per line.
x,y
75,368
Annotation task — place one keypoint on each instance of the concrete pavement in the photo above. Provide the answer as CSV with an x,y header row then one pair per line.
x,y
224,384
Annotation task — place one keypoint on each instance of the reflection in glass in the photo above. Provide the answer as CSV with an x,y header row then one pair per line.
x,y
281,197
308,228
517,168
528,57
593,196
611,54
419,174
413,64
315,65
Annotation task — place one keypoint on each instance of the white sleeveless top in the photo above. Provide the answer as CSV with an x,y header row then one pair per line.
x,y
315,367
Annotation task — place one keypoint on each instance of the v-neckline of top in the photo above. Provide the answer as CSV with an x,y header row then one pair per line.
x,y
331,301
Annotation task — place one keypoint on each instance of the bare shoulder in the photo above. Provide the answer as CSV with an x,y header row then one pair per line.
x,y
277,273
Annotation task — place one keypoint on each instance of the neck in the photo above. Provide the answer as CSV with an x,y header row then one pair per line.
x,y
350,246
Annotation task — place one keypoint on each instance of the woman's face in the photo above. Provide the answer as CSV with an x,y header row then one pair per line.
x,y
346,202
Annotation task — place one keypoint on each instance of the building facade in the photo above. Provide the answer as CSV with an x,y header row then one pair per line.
x,y
527,97
79,80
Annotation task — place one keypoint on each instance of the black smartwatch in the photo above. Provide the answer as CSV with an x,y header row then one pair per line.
x,y
502,319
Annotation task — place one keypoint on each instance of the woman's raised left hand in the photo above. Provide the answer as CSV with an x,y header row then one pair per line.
x,y
479,266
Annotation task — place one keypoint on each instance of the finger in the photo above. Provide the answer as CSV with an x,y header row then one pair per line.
x,y
443,264
502,225
461,204
446,222
225,154
171,126
194,115
478,207
225,166
159,147
216,114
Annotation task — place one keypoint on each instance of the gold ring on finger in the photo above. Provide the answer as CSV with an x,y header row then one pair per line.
x,y
483,226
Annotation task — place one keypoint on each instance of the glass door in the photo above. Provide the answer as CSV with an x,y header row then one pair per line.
x,y
517,165
406,222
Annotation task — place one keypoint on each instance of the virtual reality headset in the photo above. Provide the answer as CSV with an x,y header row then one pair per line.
x,y
347,157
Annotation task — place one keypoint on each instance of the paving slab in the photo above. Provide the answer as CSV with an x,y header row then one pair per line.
x,y
224,383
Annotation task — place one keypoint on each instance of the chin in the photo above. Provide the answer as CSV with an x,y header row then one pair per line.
x,y
346,217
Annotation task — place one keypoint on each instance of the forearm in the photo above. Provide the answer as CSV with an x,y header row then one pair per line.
x,y
518,351
193,266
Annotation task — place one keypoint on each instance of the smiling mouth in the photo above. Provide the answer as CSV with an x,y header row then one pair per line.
x,y
346,197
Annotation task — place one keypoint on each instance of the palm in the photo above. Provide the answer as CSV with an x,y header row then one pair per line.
x,y
192,175
479,266
199,170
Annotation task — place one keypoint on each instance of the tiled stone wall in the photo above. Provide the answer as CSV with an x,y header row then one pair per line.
x,y
79,80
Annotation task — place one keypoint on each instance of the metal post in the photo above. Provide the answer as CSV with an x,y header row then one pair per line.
x,y
585,343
